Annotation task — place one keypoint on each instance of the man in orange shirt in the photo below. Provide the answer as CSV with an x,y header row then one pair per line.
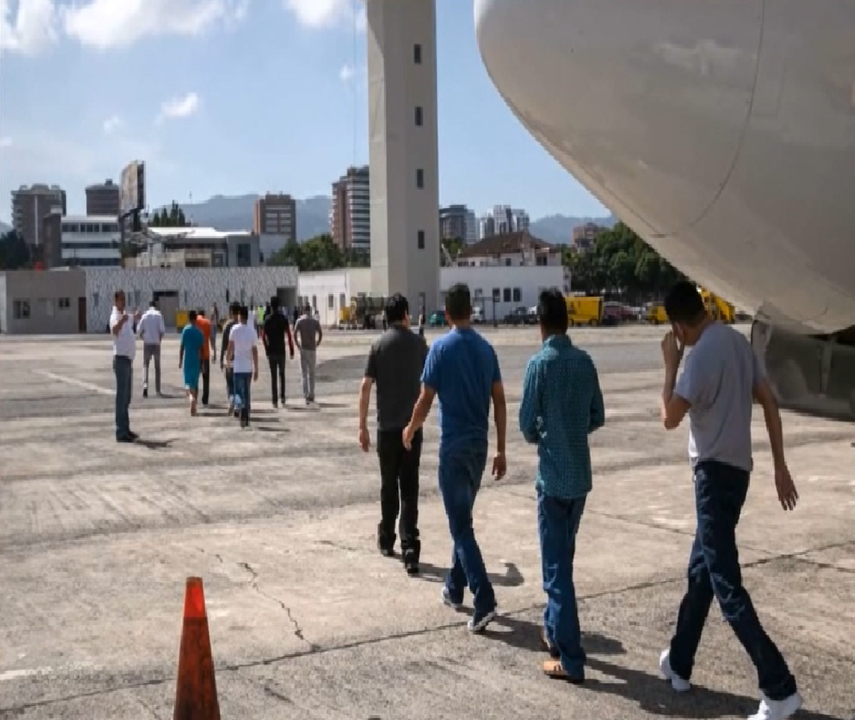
x,y
205,326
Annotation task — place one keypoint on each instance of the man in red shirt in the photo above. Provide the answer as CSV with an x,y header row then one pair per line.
x,y
205,326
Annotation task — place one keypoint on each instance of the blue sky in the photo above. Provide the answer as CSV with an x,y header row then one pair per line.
x,y
237,96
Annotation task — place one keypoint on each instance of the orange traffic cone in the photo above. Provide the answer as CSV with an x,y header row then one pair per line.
x,y
196,689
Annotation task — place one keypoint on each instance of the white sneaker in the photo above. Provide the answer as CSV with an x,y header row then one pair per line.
x,y
777,709
677,683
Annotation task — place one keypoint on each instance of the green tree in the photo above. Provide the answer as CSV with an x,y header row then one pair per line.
x,y
15,254
453,246
317,253
173,216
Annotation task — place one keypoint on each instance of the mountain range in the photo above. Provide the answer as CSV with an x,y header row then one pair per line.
x,y
235,213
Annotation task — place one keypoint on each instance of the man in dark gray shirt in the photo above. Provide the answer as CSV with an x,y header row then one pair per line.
x,y
395,363
721,379
308,335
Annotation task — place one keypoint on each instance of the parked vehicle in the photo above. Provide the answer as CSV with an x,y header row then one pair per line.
x,y
477,315
656,314
437,319
520,315
582,310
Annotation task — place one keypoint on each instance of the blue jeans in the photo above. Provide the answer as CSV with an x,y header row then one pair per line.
x,y
557,524
230,383
714,571
243,383
123,370
460,472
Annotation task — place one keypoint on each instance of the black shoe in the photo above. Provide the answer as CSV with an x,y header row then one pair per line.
x,y
275,405
411,562
125,439
145,392
244,423
133,436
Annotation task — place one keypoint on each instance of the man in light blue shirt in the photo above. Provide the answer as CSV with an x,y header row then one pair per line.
x,y
561,404
463,371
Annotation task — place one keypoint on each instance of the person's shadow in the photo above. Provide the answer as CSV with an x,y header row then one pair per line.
x,y
512,577
526,635
154,444
655,696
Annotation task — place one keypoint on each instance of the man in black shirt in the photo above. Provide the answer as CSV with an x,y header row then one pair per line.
x,y
395,363
276,329
234,311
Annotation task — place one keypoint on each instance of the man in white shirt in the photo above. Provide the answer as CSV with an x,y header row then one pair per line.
x,y
243,357
151,329
124,350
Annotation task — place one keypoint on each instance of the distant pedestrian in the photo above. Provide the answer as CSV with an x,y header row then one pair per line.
x,y
205,326
215,327
308,335
190,356
243,354
462,370
422,322
276,330
151,329
721,379
124,349
395,364
226,366
561,404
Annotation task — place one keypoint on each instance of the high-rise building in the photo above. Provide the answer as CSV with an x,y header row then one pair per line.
x,y
503,220
275,215
585,235
29,207
486,226
520,220
103,199
350,215
458,222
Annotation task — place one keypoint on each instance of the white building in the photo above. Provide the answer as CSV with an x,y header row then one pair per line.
x,y
510,250
235,248
90,241
511,286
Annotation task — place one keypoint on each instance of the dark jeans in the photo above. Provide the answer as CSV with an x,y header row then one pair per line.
x,y
243,385
123,370
460,471
714,571
277,377
557,524
399,484
230,383
206,380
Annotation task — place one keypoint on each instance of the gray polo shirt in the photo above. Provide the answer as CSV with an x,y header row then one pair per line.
x,y
395,364
308,329
718,379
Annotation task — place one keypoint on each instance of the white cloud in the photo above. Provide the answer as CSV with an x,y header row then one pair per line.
x,y
5,142
317,14
346,73
107,24
179,107
32,29
112,123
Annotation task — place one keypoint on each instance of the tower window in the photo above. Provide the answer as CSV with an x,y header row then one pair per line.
x,y
417,54
420,178
419,115
421,240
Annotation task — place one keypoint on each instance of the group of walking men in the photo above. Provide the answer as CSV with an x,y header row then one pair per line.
x,y
561,405
238,355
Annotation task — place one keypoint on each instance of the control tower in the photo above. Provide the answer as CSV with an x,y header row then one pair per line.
x,y
403,150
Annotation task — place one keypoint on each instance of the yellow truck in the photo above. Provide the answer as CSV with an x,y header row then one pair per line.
x,y
718,307
656,314
582,310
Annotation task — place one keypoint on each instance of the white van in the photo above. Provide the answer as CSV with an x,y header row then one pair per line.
x,y
477,315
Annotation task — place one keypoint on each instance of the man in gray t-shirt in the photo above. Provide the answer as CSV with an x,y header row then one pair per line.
x,y
308,335
720,381
395,363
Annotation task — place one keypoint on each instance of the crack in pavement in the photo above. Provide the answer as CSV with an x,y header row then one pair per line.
x,y
298,631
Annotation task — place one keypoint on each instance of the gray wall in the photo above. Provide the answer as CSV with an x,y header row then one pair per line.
x,y
45,291
255,250
398,148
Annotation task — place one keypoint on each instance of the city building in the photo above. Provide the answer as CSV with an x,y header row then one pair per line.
x,y
503,220
178,289
350,215
29,207
486,226
331,291
585,235
103,199
42,302
85,241
195,247
275,215
517,249
520,221
403,149
457,222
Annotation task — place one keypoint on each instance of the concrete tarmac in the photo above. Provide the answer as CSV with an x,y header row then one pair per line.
x,y
309,622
